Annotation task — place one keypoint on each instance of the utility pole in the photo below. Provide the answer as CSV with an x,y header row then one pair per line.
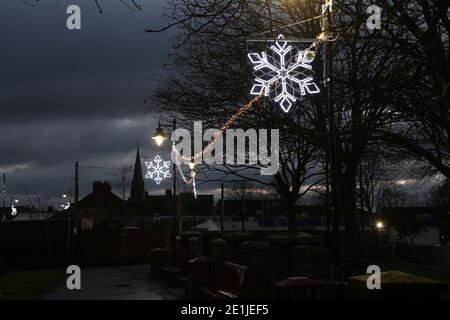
x,y
159,134
69,218
332,143
174,199
76,211
123,184
77,194
179,214
222,205
4,190
361,198
244,213
327,192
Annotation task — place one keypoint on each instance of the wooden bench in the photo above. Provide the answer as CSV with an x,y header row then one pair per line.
x,y
229,284
301,287
177,268
200,273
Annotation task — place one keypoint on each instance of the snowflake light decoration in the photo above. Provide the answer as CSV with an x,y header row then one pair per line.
x,y
284,75
13,211
157,169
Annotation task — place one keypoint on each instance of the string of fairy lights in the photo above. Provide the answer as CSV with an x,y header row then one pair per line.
x,y
179,157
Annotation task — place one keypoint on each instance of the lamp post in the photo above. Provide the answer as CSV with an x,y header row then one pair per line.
x,y
159,137
380,227
332,165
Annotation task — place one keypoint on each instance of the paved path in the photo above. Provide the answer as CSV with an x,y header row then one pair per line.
x,y
118,282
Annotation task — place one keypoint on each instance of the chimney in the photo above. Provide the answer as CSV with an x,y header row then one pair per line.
x,y
101,187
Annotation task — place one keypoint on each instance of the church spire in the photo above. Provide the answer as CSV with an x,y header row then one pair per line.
x,y
137,194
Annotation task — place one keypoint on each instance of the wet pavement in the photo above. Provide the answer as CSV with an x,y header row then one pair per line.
x,y
117,283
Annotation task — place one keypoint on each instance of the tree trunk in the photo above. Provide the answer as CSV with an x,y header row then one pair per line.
x,y
292,223
348,208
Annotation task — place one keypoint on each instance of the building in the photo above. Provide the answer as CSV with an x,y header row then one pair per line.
x,y
102,204
203,205
251,208
23,213
188,205
137,198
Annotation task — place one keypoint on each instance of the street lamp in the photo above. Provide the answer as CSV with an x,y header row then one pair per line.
x,y
380,226
159,137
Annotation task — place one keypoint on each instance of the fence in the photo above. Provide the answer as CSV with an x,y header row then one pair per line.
x,y
438,256
39,244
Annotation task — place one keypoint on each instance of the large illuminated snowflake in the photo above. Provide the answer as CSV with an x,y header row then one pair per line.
x,y
157,169
284,75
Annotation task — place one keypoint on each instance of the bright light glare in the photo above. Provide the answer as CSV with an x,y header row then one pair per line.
x,y
159,140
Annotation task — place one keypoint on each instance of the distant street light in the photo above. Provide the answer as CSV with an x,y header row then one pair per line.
x,y
67,205
380,225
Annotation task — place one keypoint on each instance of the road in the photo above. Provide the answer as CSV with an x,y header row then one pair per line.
x,y
116,283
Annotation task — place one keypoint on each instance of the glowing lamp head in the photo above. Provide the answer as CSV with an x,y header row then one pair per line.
x,y
380,225
64,195
159,136
16,200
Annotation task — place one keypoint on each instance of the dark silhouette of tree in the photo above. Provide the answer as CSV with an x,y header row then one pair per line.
x,y
388,86
440,196
418,33
133,5
407,226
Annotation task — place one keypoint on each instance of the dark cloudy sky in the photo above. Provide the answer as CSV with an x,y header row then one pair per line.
x,y
75,95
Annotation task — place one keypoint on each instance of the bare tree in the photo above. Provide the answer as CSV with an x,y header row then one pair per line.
x,y
242,190
418,32
121,180
212,76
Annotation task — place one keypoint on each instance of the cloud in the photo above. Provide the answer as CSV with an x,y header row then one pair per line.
x,y
71,96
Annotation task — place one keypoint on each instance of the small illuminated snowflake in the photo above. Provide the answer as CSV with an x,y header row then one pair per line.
x,y
13,211
157,169
284,75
